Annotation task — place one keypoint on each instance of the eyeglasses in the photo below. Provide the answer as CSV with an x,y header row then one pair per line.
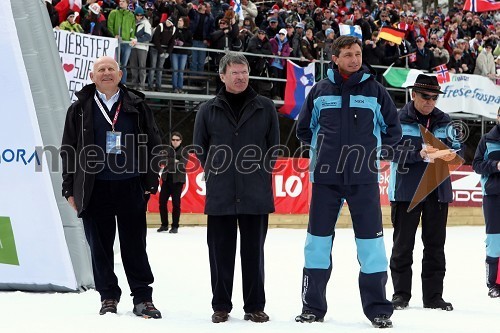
x,y
429,97
176,139
420,40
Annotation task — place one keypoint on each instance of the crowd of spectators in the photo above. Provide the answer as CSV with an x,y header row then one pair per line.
x,y
303,30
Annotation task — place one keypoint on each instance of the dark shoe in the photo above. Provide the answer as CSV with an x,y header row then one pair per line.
x,y
173,230
494,292
382,321
162,228
108,306
220,316
399,303
257,317
439,304
146,310
308,317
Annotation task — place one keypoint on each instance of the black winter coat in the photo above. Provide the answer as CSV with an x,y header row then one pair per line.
x,y
177,169
78,137
234,186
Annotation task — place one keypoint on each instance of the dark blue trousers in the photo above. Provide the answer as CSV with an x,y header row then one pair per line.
x,y
364,205
221,239
118,203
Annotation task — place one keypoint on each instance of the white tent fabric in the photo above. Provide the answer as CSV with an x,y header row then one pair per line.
x,y
45,234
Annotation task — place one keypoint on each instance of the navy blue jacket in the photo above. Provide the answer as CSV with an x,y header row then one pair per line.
x,y
235,187
345,123
486,160
407,172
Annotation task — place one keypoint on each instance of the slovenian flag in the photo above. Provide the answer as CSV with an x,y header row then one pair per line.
x,y
478,6
299,81
350,30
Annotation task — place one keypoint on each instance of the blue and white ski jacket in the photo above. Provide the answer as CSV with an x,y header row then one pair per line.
x,y
346,122
486,159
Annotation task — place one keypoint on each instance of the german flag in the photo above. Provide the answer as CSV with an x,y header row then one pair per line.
x,y
392,34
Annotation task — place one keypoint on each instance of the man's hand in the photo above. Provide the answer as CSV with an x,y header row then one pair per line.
x,y
445,154
71,201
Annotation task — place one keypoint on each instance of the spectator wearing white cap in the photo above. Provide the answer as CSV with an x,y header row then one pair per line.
x,y
280,47
94,23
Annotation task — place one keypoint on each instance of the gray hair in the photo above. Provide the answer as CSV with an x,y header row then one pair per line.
x,y
232,58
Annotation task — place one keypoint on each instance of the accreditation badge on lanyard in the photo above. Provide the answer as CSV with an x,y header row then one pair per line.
x,y
113,138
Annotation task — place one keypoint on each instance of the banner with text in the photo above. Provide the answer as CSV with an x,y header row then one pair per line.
x,y
473,94
78,53
292,187
290,184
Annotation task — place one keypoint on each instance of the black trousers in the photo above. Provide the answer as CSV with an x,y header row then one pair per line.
x,y
118,202
221,239
174,190
434,216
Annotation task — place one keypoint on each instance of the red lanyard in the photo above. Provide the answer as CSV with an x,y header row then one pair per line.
x,y
105,114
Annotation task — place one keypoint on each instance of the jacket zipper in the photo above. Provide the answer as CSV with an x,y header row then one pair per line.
x,y
83,145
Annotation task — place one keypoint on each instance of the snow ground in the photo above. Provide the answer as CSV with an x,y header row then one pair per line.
x,y
182,291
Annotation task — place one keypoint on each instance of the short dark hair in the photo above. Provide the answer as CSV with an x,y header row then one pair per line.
x,y
343,42
232,58
176,134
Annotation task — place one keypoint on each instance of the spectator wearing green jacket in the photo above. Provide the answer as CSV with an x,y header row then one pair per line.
x,y
121,23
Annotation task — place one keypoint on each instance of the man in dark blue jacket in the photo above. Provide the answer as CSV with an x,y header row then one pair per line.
x,y
346,120
406,175
236,134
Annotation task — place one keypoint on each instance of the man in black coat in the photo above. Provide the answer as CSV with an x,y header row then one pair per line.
x,y
108,169
235,136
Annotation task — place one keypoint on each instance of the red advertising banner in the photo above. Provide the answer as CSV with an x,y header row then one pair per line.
x,y
290,184
292,187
